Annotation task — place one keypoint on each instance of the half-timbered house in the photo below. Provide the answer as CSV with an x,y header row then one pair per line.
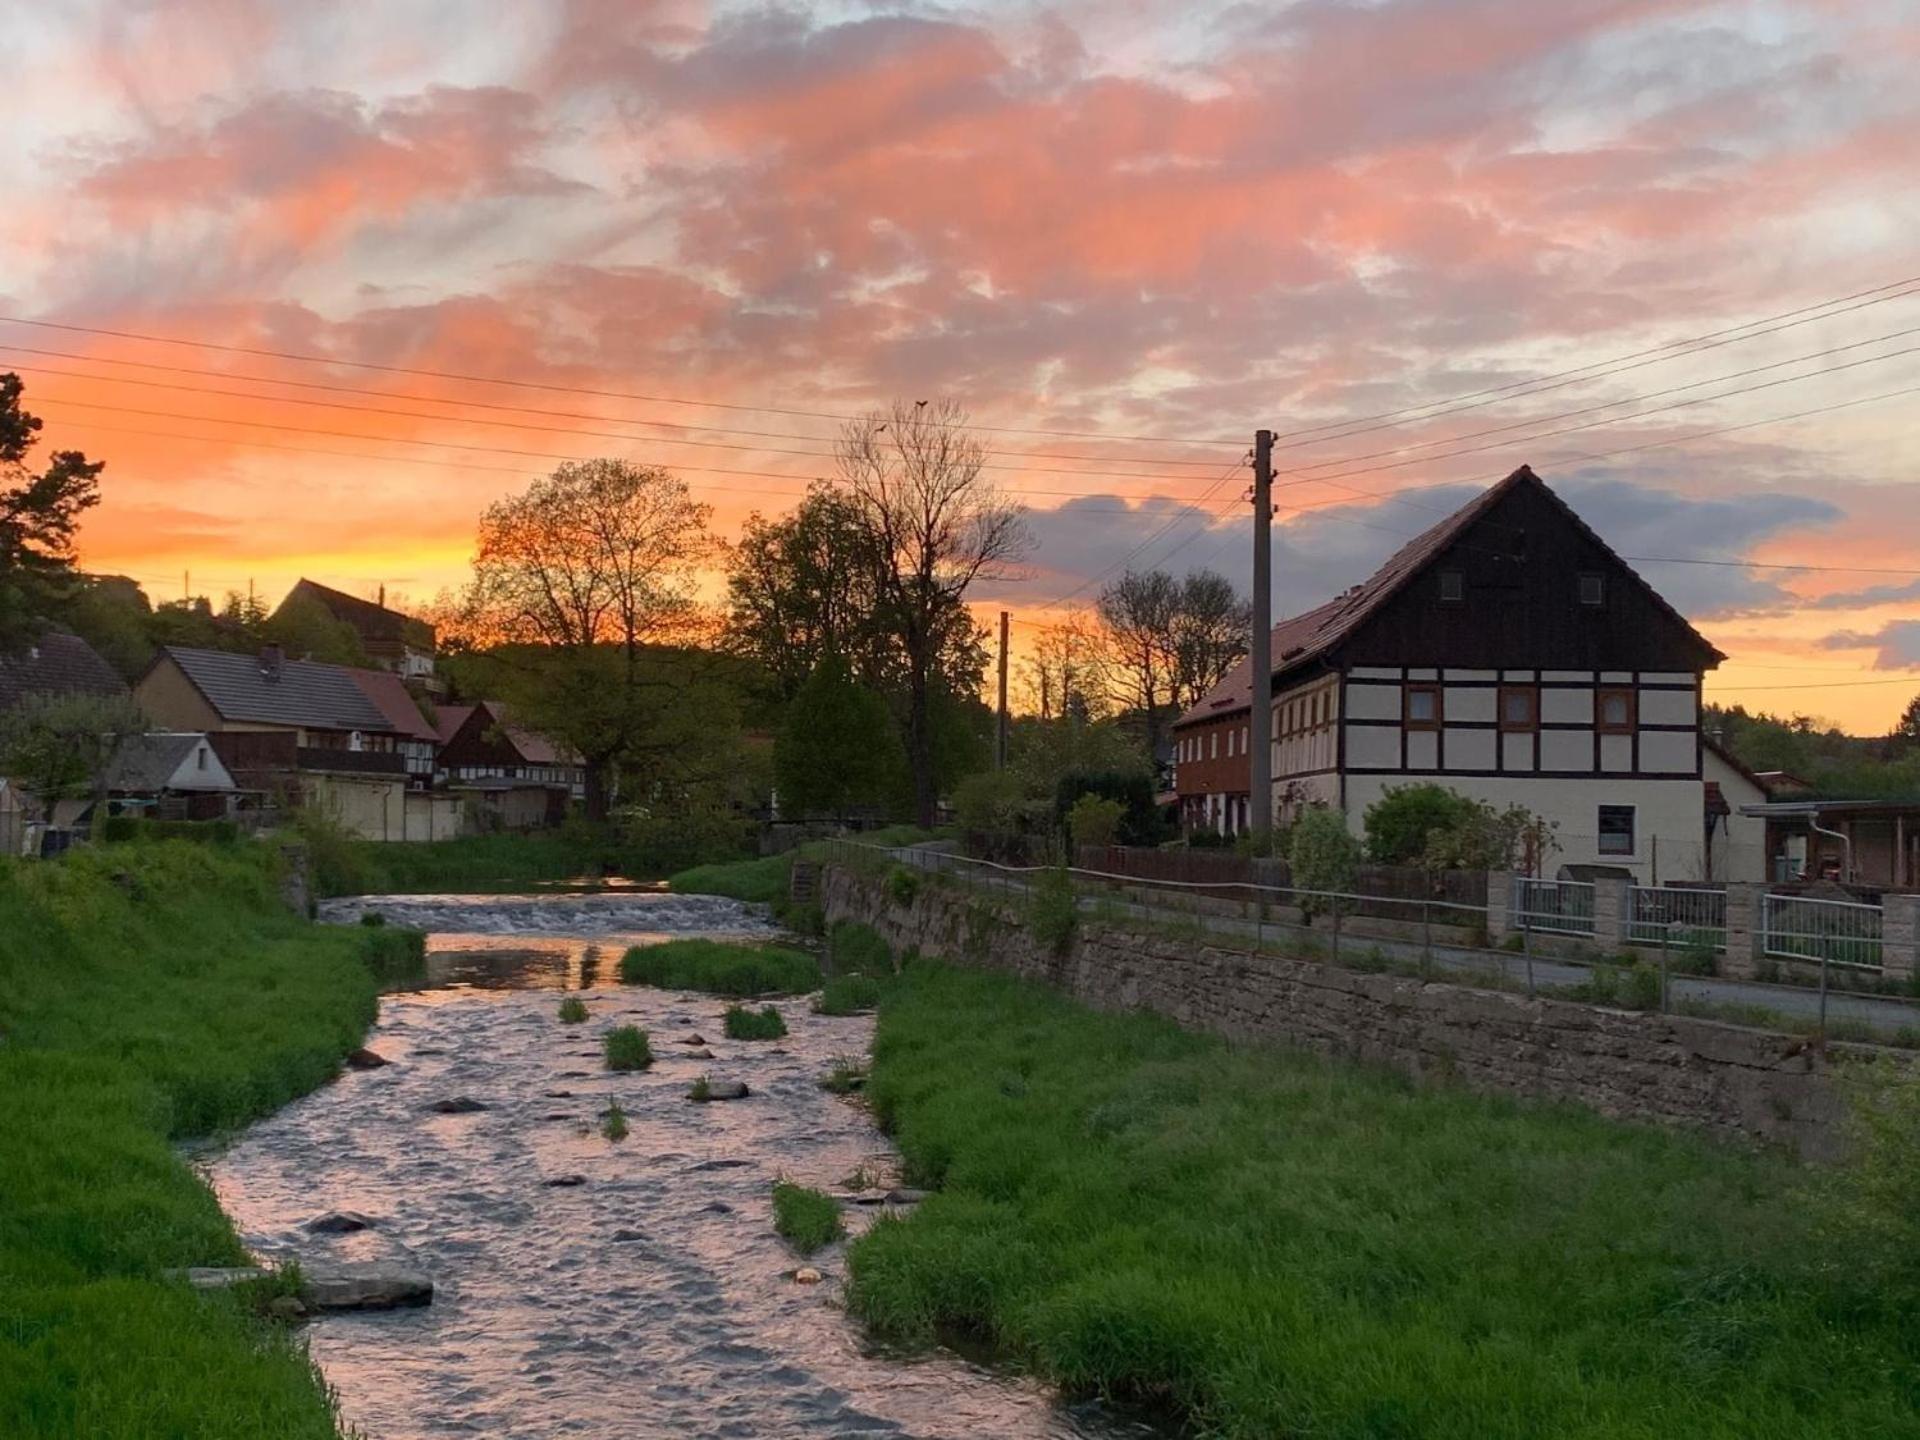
x,y
1506,652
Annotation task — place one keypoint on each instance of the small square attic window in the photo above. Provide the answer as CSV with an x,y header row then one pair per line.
x,y
1593,589
1453,587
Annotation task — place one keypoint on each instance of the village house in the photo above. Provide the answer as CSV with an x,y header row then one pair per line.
x,y
513,778
298,732
54,664
169,775
400,643
1509,654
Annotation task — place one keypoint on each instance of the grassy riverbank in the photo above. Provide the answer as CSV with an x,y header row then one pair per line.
x,y
151,993
1270,1244
765,878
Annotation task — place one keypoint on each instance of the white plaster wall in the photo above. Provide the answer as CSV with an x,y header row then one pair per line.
x,y
1666,707
1373,702
1667,811
1463,702
1566,750
1667,750
1373,747
1472,750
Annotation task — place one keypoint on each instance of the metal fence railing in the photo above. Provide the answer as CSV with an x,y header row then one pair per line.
x,y
1684,916
1554,907
1832,932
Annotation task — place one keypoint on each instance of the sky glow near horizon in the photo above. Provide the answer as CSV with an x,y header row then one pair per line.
x,y
1142,219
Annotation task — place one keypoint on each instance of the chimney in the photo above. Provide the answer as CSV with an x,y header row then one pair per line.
x,y
383,594
271,659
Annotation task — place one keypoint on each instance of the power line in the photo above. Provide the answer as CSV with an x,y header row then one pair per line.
x,y
494,406
421,371
1668,350
498,449
1650,395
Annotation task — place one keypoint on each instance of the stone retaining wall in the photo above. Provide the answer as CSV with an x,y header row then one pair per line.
x,y
1726,1079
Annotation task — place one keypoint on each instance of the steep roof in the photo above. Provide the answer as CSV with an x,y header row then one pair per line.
x,y
56,664
148,762
370,621
448,719
390,694
1308,636
302,692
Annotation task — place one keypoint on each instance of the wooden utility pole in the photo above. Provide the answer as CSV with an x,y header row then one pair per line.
x,y
1260,724
1000,726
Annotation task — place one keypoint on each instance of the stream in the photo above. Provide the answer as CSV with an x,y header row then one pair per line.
x,y
645,1296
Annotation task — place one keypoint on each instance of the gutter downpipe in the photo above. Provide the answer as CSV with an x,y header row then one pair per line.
x,y
1846,843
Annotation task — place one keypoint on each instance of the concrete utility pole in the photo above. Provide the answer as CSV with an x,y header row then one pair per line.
x,y
1000,726
1260,725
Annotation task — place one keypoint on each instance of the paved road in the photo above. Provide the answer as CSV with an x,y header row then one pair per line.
x,y
1797,1004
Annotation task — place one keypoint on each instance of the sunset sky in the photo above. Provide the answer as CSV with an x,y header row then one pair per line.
x,y
1124,234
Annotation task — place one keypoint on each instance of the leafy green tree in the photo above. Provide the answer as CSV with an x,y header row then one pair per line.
x,y
39,513
991,803
1141,822
58,746
586,570
307,630
111,613
1907,727
837,749
1210,634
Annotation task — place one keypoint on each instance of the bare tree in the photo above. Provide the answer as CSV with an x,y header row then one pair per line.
x,y
1137,615
1211,625
594,563
937,527
1065,675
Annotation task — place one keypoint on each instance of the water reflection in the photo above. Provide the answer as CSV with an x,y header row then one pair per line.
x,y
511,962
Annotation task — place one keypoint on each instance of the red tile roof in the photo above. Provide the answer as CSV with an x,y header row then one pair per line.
x,y
449,718
390,696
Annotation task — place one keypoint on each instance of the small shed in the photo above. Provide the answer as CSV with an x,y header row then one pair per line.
x,y
175,774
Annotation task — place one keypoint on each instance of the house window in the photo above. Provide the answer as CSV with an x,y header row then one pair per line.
x,y
1453,587
1243,739
1616,829
1613,712
1519,708
1213,747
1593,589
1422,708
200,758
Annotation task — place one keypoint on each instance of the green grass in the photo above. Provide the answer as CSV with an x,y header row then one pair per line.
x,y
573,1010
849,1073
721,967
701,1089
1271,1244
613,1124
765,879
744,1024
857,949
150,994
473,863
848,995
627,1048
806,1219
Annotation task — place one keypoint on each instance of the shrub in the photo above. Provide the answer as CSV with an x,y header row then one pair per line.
x,y
1051,912
857,949
721,967
903,883
848,995
1642,988
613,1124
373,919
627,1048
573,1010
1399,822
1322,855
1141,822
990,803
335,859
394,953
806,1219
803,919
1094,820
763,1024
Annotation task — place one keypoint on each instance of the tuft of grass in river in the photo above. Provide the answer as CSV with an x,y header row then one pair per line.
x,y
1269,1243
847,1075
613,1123
573,1010
151,994
701,1089
806,1219
627,1048
721,967
744,1024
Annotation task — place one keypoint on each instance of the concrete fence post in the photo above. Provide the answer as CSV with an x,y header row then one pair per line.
x,y
1610,911
1745,929
1499,905
1899,936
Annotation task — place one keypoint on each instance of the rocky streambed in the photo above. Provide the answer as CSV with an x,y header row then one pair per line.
x,y
582,1286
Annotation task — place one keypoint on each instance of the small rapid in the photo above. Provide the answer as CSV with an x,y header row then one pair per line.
x,y
586,1287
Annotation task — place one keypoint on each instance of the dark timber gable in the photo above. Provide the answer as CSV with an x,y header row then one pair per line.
x,y
1521,557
